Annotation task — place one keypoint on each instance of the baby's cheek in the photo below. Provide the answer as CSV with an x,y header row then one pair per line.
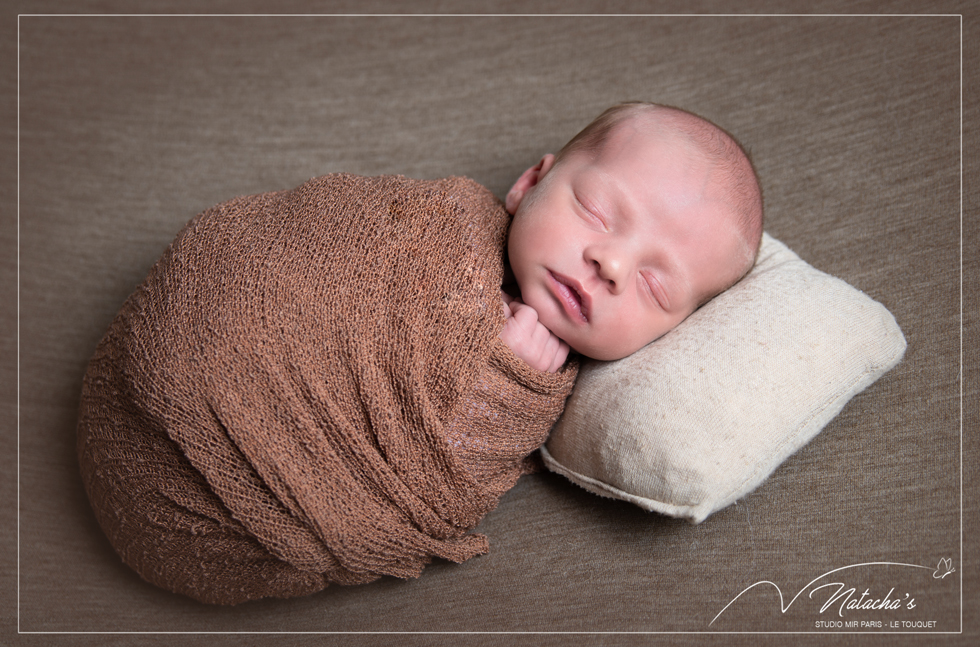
x,y
619,339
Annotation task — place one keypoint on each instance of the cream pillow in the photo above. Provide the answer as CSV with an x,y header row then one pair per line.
x,y
699,418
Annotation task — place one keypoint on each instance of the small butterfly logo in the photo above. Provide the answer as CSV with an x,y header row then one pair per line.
x,y
944,568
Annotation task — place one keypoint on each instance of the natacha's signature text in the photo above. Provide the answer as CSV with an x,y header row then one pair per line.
x,y
866,602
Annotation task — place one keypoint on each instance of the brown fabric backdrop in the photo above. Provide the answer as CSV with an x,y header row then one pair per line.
x,y
129,126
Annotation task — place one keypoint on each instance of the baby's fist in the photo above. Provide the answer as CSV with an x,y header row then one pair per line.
x,y
528,337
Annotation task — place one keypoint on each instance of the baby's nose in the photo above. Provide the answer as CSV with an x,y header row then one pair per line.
x,y
612,270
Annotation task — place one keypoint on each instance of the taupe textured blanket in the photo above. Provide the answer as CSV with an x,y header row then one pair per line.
x,y
309,388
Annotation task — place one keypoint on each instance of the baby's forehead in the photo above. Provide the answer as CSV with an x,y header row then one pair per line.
x,y
675,129
706,153
636,160
635,144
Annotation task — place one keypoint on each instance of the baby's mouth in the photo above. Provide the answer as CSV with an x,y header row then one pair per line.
x,y
576,303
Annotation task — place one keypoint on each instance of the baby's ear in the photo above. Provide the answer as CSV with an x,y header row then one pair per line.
x,y
528,179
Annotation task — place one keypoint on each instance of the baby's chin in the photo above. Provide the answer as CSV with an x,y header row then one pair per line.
x,y
604,352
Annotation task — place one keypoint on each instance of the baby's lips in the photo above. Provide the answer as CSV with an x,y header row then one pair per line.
x,y
573,297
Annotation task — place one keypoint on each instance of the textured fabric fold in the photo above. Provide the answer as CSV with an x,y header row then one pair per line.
x,y
309,388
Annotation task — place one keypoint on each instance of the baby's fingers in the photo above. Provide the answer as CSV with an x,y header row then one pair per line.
x,y
525,317
532,341
560,355
552,351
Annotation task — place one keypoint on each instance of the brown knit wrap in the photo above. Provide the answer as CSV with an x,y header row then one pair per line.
x,y
309,388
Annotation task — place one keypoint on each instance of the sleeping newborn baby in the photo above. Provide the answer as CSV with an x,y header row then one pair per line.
x,y
641,218
321,385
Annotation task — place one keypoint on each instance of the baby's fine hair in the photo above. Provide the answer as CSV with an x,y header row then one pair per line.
x,y
717,145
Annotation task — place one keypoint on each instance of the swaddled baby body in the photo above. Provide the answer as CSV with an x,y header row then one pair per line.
x,y
322,385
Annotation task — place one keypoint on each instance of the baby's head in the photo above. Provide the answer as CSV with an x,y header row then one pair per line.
x,y
645,215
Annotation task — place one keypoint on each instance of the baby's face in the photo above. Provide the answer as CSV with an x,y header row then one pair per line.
x,y
615,249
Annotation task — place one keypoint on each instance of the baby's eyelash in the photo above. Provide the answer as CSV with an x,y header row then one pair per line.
x,y
590,210
656,290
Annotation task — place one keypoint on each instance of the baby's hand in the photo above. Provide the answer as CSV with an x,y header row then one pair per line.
x,y
528,338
